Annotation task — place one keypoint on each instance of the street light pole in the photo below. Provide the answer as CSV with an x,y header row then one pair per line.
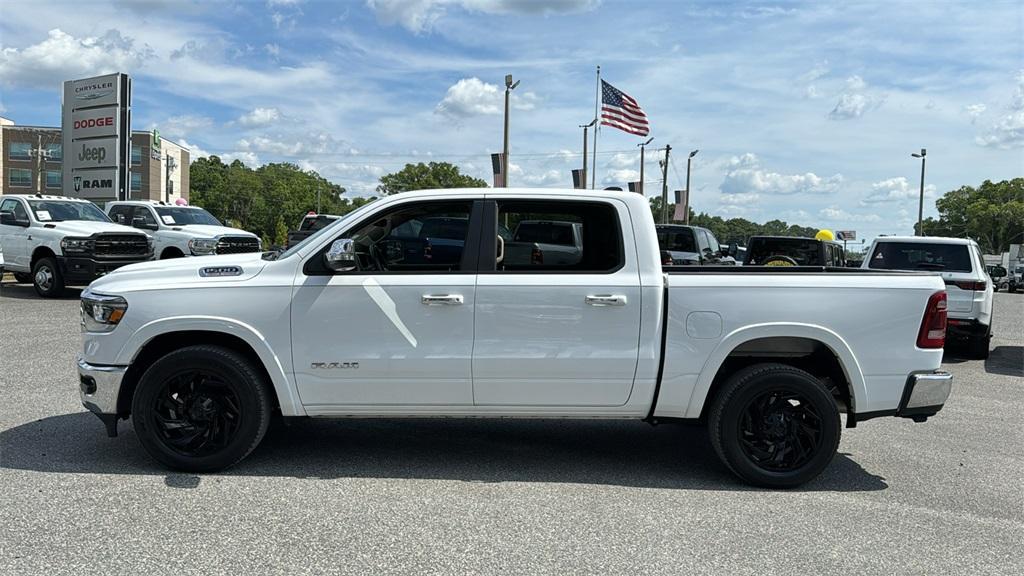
x,y
686,201
664,186
920,204
643,146
509,87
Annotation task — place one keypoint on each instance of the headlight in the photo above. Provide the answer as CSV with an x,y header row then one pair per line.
x,y
76,245
101,313
201,246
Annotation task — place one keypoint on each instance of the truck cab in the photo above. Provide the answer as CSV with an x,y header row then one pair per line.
x,y
692,246
793,251
56,241
179,231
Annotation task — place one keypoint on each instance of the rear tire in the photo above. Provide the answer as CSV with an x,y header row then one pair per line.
x,y
47,279
201,408
774,426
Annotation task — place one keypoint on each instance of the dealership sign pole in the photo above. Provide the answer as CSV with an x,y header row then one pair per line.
x,y
96,135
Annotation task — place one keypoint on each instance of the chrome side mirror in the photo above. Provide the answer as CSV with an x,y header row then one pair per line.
x,y
341,256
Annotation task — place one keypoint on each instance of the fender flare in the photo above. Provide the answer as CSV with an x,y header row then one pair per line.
x,y
287,394
838,346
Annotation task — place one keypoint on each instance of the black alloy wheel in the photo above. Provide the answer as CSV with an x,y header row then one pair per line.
x,y
774,425
196,413
780,430
202,408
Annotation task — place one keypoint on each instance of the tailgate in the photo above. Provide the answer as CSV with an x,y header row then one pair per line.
x,y
958,299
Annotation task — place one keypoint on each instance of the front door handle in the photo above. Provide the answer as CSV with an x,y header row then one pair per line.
x,y
442,299
606,300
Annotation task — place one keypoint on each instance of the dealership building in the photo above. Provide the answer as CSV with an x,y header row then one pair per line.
x,y
159,167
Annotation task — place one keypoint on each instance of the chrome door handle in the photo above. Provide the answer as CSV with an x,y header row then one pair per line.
x,y
442,299
606,300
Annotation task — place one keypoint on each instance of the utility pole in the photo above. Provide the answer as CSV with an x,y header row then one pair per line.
x,y
509,87
583,179
318,198
920,204
643,146
686,202
664,186
41,155
170,164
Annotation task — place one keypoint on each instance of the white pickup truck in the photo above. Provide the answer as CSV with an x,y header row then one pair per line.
x,y
182,230
201,353
55,241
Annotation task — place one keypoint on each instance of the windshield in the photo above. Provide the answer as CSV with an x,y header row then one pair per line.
x,y
315,237
920,256
444,228
65,210
804,251
557,233
676,240
184,216
314,223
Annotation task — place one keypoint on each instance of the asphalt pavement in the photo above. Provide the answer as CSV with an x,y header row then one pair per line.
x,y
500,496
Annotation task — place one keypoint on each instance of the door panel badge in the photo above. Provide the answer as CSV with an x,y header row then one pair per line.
x,y
219,271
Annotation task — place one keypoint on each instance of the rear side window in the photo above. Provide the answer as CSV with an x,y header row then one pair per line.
x,y
921,256
713,242
558,236
676,239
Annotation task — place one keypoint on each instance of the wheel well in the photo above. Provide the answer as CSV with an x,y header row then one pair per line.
x,y
164,344
39,254
171,252
807,354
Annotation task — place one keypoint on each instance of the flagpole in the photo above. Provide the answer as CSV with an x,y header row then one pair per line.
x,y
597,128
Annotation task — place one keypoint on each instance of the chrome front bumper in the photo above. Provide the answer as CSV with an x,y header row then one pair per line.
x,y
98,386
925,394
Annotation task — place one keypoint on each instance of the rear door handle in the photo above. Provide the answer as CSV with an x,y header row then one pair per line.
x,y
606,300
442,299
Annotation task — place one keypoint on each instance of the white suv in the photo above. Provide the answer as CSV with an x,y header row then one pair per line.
x,y
968,285
53,241
182,230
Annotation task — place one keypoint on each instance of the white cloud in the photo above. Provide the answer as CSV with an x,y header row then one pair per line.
x,y
547,178
272,49
260,117
420,15
742,199
624,160
250,159
313,144
194,151
974,111
834,214
897,189
62,56
855,100
1008,131
470,97
746,176
183,125
621,177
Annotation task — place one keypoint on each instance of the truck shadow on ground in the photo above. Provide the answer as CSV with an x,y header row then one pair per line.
x,y
573,451
27,292
1006,361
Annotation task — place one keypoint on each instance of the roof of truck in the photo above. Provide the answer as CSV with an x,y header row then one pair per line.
x,y
925,239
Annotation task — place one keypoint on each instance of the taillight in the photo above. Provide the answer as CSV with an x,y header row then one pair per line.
x,y
428,252
666,258
536,256
968,285
933,325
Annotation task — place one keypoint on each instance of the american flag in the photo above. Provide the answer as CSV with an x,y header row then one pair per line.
x,y
620,110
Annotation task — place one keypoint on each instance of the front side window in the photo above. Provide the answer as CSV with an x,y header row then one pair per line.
x,y
20,177
558,236
920,256
175,216
63,211
13,206
20,151
120,215
713,242
54,179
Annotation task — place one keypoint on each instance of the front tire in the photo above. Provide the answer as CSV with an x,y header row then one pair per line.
x,y
47,279
23,277
774,426
201,408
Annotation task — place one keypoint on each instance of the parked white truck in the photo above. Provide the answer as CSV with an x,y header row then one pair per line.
x,y
202,352
54,241
182,230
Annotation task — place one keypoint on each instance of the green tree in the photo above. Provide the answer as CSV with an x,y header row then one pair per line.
x,y
426,176
738,230
280,232
260,199
992,214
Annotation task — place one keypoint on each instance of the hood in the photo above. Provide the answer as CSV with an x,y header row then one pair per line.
x,y
88,228
157,274
210,231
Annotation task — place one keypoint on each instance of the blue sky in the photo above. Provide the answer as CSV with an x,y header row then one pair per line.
x,y
802,111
